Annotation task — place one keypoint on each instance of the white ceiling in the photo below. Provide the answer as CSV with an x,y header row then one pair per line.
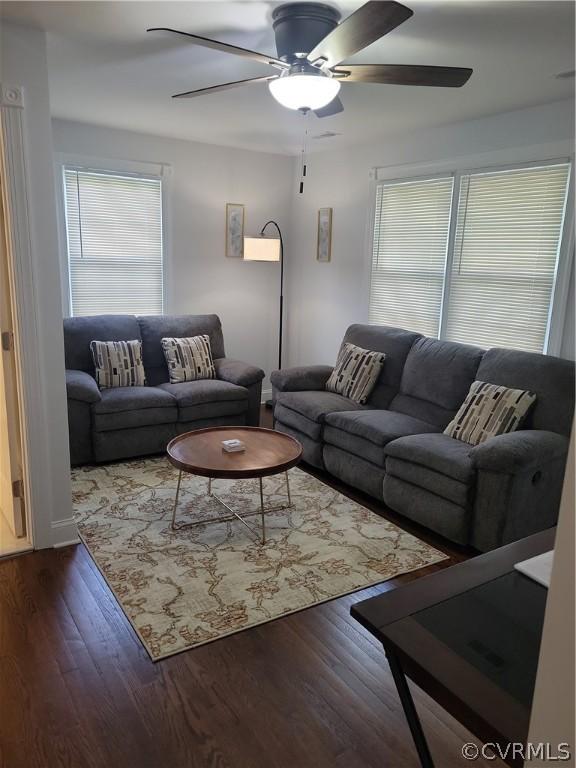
x,y
105,69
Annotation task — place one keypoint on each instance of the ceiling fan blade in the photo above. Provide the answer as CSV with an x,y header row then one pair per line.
x,y
403,74
334,108
216,45
222,87
363,27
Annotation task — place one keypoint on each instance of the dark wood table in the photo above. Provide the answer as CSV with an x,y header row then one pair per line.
x,y
469,636
266,453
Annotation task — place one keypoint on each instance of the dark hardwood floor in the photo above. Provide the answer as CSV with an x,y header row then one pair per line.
x,y
311,690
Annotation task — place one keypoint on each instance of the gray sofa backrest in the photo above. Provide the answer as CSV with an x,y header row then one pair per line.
x,y
396,344
154,327
436,378
80,331
551,378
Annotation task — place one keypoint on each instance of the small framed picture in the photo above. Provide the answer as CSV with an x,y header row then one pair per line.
x,y
234,230
324,234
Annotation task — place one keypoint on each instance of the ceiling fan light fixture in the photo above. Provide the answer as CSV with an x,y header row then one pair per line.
x,y
304,90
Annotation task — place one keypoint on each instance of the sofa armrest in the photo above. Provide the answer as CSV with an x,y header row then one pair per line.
x,y
237,372
81,386
302,378
520,451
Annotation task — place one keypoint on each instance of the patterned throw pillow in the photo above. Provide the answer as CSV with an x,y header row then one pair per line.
x,y
356,372
489,410
189,359
118,363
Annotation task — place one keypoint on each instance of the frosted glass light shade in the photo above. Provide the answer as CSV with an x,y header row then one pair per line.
x,y
303,91
261,249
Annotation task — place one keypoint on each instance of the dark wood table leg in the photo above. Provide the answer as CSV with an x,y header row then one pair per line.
x,y
409,709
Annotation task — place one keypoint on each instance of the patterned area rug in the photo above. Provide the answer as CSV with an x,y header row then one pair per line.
x,y
182,589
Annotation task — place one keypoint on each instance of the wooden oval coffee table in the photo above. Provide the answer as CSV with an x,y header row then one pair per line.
x,y
267,452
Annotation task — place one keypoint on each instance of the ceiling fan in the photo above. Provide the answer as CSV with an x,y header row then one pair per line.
x,y
311,45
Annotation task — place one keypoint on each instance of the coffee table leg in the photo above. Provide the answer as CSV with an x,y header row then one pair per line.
x,y
262,513
176,501
288,490
209,486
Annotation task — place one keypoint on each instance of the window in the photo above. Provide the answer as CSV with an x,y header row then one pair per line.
x,y
114,239
497,277
409,254
505,252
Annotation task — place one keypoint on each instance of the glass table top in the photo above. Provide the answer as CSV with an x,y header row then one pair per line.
x,y
496,628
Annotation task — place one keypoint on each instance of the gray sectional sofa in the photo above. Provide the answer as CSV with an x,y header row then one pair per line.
x,y
394,449
122,422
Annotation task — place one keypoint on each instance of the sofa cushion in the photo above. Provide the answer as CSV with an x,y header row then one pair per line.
x,y
207,398
365,433
306,410
550,378
379,427
315,405
118,399
80,331
437,452
396,344
153,328
436,379
127,407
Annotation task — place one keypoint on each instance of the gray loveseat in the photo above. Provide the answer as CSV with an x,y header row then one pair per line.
x,y
393,447
122,422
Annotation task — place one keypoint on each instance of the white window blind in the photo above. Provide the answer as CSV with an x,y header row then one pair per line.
x,y
508,233
114,236
411,226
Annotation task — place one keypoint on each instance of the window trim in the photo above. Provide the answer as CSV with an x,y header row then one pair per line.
x,y
137,169
531,157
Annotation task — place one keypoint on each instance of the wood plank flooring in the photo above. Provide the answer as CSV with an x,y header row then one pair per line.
x,y
311,690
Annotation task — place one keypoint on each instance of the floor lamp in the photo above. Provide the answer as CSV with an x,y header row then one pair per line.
x,y
263,248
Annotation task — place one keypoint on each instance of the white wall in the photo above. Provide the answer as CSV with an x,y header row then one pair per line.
x,y
552,719
23,63
204,178
324,298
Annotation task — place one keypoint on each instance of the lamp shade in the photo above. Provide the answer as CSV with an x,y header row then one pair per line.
x,y
261,249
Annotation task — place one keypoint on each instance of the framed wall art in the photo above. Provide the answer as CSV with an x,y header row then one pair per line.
x,y
324,247
234,230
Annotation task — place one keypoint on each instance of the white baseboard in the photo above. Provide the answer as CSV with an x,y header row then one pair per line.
x,y
266,395
64,533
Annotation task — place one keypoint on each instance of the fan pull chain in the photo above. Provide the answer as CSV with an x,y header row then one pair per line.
x,y
303,165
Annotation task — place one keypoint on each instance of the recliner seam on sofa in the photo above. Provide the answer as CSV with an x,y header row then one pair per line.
x,y
427,490
423,466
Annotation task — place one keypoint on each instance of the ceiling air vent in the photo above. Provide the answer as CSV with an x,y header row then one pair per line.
x,y
326,135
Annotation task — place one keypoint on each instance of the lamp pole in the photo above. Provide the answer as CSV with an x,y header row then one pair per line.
x,y
281,289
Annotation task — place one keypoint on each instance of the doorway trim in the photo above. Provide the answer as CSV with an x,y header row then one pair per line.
x,y
15,196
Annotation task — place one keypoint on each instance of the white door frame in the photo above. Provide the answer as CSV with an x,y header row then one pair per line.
x,y
15,191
